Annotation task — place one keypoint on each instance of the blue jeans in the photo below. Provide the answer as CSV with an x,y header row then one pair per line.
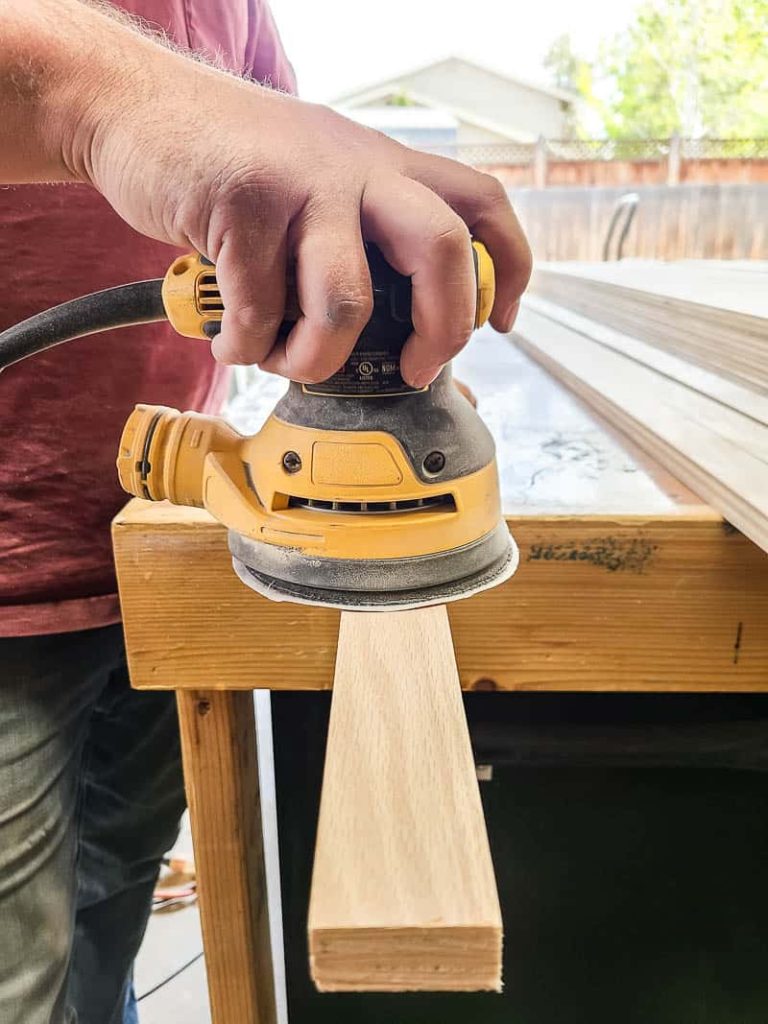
x,y
91,794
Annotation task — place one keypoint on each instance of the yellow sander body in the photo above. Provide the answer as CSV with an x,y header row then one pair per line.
x,y
360,492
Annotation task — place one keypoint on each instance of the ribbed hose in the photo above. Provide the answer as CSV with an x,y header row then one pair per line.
x,y
138,303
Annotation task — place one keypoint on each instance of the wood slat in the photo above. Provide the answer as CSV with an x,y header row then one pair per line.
x,y
708,312
403,893
730,286
600,602
741,399
720,453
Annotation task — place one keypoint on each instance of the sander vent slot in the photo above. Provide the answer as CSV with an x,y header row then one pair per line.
x,y
432,503
207,294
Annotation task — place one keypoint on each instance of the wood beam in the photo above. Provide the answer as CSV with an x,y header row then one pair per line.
x,y
218,741
600,602
403,893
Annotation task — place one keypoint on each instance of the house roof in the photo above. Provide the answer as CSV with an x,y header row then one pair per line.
x,y
453,110
377,90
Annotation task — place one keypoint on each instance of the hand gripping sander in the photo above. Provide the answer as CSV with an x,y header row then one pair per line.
x,y
359,492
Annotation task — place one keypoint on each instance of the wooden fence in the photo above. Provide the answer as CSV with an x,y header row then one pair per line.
x,y
617,162
670,222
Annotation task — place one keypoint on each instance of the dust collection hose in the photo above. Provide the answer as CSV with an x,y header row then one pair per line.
x,y
138,303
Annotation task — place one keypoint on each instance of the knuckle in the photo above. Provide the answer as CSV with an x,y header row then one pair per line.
x,y
233,199
492,190
526,260
229,354
523,267
345,311
453,339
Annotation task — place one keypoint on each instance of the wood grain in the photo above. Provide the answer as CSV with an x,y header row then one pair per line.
x,y
722,389
732,286
719,452
712,313
218,741
403,893
600,602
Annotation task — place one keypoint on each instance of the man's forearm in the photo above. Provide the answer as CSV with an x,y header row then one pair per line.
x,y
39,62
66,67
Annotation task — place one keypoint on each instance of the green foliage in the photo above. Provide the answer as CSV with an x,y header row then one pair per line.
x,y
562,63
400,99
570,73
697,67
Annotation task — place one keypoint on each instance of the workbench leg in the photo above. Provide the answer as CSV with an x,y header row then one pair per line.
x,y
218,739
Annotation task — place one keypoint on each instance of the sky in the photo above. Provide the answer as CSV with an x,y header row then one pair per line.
x,y
338,45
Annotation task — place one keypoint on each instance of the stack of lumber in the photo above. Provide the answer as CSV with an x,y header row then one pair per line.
x,y
676,356
710,312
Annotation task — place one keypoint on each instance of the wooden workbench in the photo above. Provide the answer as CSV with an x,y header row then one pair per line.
x,y
626,582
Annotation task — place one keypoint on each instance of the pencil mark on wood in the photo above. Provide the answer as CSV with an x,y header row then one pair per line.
x,y
608,553
737,643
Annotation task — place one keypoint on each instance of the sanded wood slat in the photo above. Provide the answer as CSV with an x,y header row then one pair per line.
x,y
403,892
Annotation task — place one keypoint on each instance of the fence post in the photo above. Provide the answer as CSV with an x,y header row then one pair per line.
x,y
673,160
540,163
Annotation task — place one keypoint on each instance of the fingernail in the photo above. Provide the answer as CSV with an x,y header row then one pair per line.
x,y
508,318
425,377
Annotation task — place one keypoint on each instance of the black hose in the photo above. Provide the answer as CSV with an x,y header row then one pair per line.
x,y
138,303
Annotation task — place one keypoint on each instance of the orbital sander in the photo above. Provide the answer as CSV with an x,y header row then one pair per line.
x,y
360,492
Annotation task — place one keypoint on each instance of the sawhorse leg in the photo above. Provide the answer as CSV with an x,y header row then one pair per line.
x,y
218,739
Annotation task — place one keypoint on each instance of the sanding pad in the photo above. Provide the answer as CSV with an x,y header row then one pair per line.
x,y
380,586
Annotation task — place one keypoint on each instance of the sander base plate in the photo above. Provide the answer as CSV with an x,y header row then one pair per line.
x,y
502,563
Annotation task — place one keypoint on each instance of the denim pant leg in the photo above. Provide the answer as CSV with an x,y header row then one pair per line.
x,y
131,802
90,797
48,686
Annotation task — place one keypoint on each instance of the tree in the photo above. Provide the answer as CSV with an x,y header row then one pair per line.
x,y
697,67
570,73
563,64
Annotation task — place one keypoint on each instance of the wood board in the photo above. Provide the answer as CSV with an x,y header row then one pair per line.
x,y
702,311
670,601
720,453
727,392
403,892
734,286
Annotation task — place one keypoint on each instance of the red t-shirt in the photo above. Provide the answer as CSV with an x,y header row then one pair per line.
x,y
61,412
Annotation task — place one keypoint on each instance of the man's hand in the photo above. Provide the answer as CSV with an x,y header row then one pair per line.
x,y
254,179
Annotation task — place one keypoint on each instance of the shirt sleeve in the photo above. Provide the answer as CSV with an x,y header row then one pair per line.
x,y
266,60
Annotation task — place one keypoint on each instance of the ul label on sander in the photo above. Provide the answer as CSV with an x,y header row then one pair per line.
x,y
365,373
